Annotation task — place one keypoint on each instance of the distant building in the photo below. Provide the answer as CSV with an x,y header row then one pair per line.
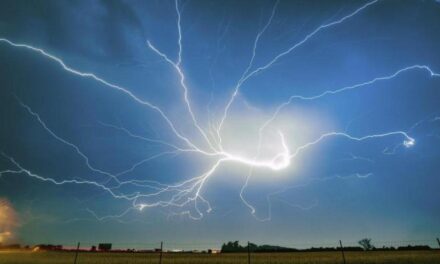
x,y
214,251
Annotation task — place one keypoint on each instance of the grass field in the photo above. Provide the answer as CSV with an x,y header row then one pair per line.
x,y
407,257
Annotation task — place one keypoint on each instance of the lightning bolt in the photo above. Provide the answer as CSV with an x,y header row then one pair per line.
x,y
347,88
284,53
102,81
189,192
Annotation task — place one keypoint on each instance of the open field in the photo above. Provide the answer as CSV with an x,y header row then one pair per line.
x,y
407,257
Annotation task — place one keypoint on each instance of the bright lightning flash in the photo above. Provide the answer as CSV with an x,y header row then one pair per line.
x,y
190,192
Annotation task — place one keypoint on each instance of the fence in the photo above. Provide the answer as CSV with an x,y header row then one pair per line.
x,y
158,248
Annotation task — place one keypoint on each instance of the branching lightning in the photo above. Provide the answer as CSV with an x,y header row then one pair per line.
x,y
245,77
189,193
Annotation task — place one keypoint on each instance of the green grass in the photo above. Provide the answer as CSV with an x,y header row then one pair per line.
x,y
407,257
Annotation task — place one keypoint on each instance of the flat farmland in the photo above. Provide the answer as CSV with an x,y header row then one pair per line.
x,y
388,257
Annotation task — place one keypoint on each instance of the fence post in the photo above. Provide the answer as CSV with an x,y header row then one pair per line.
x,y
161,250
438,241
342,251
249,252
76,253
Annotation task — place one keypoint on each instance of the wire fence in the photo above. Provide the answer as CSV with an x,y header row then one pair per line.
x,y
205,246
157,252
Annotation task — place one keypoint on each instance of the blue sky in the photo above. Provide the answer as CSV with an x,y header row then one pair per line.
x,y
363,182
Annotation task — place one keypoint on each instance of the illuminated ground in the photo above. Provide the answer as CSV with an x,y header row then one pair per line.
x,y
411,257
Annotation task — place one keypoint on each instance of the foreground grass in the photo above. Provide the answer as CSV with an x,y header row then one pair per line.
x,y
408,257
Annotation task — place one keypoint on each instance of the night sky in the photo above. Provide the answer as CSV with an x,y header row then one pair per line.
x,y
67,137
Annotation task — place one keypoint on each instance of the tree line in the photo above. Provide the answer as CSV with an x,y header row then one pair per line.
x,y
364,245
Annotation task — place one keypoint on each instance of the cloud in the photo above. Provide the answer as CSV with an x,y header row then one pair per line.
x,y
97,30
8,221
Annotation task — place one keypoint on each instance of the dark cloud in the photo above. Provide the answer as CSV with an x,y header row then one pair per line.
x,y
94,29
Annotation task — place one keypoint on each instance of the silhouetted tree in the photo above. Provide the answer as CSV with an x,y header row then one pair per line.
x,y
252,247
233,247
366,244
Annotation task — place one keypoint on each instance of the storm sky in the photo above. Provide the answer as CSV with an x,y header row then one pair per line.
x,y
343,187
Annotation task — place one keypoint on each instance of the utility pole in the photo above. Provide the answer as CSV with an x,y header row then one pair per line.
x,y
342,251
76,253
161,250
249,252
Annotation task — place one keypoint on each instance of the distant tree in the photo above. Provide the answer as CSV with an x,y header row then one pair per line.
x,y
233,247
236,244
93,248
105,246
366,244
252,247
